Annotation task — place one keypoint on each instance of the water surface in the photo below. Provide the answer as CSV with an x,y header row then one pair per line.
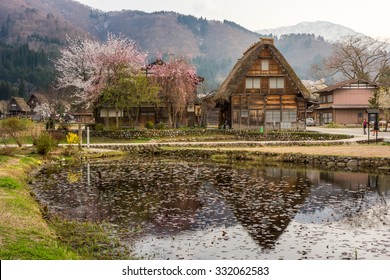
x,y
188,210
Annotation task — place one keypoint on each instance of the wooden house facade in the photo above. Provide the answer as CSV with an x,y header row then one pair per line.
x,y
345,103
37,99
18,107
262,90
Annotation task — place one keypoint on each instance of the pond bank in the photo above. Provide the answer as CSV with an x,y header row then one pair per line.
x,y
343,155
26,231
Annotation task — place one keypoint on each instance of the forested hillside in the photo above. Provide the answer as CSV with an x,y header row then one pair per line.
x,y
23,69
31,31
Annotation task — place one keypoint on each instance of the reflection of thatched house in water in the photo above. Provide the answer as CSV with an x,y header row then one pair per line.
x,y
268,203
262,89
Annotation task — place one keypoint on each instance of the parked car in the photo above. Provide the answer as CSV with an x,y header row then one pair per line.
x,y
310,122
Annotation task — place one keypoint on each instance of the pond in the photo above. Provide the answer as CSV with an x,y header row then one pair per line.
x,y
188,210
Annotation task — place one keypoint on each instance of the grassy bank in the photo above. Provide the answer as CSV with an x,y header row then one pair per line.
x,y
26,234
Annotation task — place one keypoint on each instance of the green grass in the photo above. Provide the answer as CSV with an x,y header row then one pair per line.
x,y
9,183
22,244
26,235
90,240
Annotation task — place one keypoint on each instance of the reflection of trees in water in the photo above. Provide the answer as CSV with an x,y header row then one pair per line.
x,y
345,196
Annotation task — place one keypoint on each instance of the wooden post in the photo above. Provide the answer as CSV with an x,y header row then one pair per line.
x,y
80,136
88,137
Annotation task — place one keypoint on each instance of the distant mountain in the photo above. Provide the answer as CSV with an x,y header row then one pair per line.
x,y
329,31
213,46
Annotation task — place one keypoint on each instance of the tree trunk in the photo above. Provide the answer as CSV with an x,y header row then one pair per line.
x,y
170,116
137,118
116,118
107,118
131,124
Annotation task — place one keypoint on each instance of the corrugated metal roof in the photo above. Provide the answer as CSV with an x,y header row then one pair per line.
x,y
344,106
346,83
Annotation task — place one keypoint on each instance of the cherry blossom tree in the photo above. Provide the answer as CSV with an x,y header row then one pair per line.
x,y
177,80
128,93
44,110
89,66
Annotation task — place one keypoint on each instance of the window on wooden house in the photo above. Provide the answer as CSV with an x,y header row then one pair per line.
x,y
265,64
289,116
252,82
272,116
276,82
328,98
327,118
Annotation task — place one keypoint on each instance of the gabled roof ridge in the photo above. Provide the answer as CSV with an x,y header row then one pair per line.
x,y
343,83
244,63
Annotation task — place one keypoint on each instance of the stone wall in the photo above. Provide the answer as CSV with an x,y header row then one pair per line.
x,y
219,134
342,162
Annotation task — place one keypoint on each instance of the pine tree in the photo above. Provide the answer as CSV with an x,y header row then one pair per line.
x,y
374,100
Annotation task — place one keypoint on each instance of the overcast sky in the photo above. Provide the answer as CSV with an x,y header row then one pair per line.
x,y
368,17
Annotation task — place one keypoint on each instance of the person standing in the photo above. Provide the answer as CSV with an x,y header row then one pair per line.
x,y
376,128
365,126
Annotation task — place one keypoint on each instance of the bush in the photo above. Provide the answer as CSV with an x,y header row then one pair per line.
x,y
333,125
72,138
149,125
99,127
64,126
45,143
160,126
7,151
57,135
15,128
113,128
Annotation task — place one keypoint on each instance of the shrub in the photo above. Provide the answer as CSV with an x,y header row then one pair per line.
x,y
7,151
72,138
45,143
149,125
15,128
64,126
333,125
113,128
99,127
160,126
57,135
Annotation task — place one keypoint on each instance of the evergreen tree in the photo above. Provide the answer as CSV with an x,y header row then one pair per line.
x,y
374,100
22,89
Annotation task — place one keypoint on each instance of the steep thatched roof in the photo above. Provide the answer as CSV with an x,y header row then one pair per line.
x,y
41,98
3,106
245,63
21,103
